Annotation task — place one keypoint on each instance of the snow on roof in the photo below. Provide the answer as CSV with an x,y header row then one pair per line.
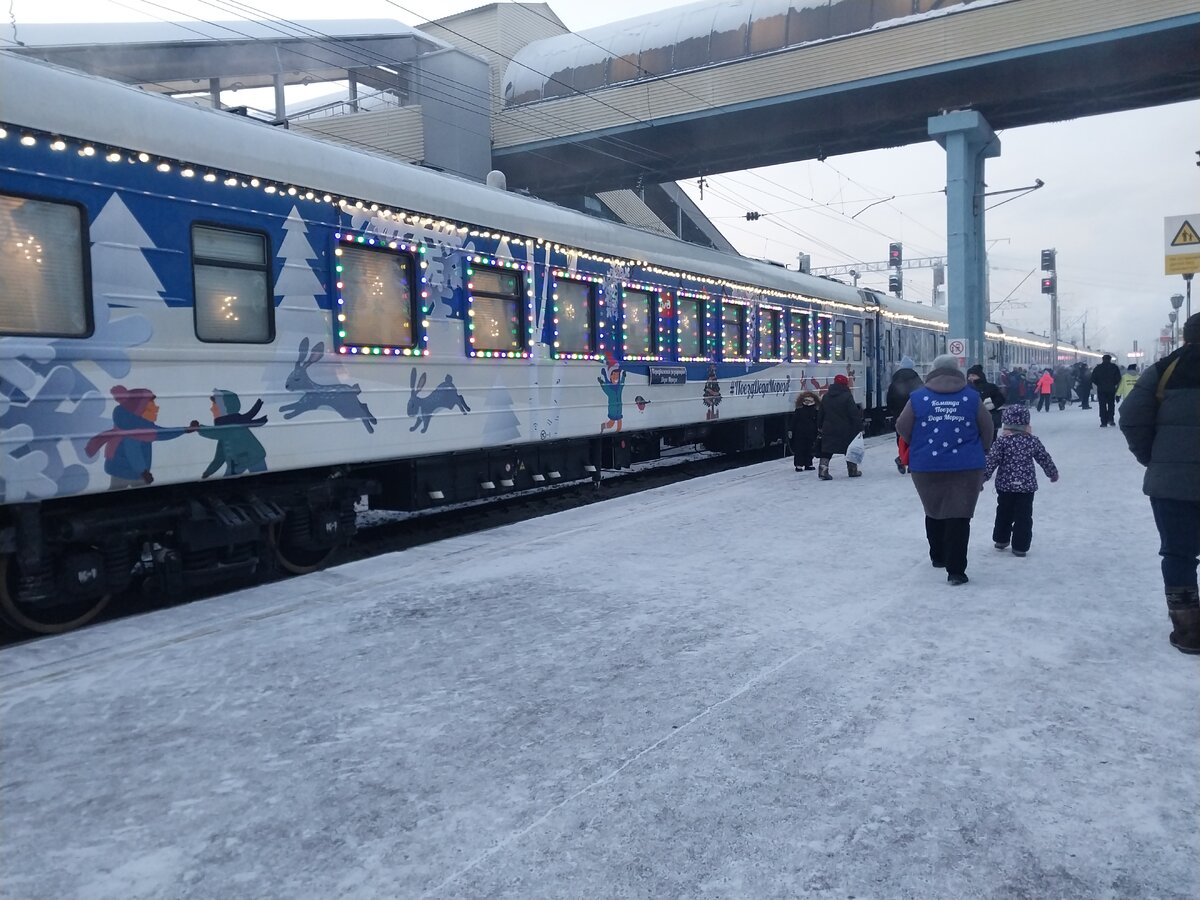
x,y
214,32
534,63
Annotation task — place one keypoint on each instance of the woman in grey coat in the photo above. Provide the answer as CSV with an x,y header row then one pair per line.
x,y
949,431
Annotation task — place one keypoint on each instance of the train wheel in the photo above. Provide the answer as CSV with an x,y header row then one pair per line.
x,y
42,620
294,558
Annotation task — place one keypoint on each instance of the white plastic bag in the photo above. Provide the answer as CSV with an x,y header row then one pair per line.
x,y
857,450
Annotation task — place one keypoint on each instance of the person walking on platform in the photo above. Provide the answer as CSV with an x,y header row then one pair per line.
x,y
1063,383
1128,379
1083,384
993,397
1161,422
1105,378
1015,385
949,432
905,380
1044,389
802,430
839,422
1012,457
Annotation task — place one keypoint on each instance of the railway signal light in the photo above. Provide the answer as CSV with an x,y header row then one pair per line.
x,y
1047,260
895,254
1049,284
896,282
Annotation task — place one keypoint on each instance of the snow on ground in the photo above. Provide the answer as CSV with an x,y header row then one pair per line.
x,y
750,685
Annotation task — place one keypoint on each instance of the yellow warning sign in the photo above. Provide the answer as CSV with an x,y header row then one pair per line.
x,y
1182,244
1185,235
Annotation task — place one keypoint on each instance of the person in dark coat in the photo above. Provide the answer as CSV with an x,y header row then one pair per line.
x,y
802,430
1160,419
993,397
1083,384
905,380
1105,378
949,432
1064,382
840,421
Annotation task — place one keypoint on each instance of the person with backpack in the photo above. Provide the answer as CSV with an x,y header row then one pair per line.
x,y
1160,419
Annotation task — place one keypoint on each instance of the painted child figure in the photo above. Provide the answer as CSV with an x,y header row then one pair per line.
x,y
803,431
1011,457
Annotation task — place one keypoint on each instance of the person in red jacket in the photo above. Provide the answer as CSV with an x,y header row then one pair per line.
x,y
1045,386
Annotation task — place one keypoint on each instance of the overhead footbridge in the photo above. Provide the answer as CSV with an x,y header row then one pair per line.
x,y
715,87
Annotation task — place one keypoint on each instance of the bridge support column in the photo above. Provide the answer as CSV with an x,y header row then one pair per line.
x,y
968,140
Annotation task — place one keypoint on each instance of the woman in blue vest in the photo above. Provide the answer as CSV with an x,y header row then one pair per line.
x,y
949,431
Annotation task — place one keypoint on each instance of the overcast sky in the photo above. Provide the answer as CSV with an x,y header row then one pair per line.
x,y
1109,183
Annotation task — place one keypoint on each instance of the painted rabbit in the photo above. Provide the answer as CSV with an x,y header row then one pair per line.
x,y
341,398
444,395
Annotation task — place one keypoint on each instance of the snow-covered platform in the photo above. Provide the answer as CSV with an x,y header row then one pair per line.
x,y
751,685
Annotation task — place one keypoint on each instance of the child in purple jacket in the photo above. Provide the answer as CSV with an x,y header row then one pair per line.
x,y
1011,457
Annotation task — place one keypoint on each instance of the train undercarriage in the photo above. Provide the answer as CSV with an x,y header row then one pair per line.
x,y
63,561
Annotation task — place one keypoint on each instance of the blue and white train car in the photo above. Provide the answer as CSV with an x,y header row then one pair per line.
x,y
216,335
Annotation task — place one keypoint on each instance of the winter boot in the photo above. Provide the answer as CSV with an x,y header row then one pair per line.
x,y
852,470
1183,605
900,467
823,471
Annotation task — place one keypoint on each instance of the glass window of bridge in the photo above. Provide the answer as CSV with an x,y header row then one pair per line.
x,y
770,336
375,307
497,303
689,314
733,331
800,338
43,275
574,317
839,340
640,313
856,341
768,33
231,271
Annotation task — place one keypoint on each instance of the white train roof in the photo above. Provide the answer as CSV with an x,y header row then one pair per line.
x,y
59,101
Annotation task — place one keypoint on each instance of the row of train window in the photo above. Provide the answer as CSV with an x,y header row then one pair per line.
x,y
45,279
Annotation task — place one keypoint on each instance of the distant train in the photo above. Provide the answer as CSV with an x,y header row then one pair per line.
x,y
217,336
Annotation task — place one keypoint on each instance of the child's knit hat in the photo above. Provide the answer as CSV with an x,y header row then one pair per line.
x,y
1016,417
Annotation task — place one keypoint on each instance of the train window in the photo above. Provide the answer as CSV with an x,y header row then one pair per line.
x,y
43,278
801,337
839,340
641,325
943,343
824,339
770,337
689,314
856,341
375,300
733,331
900,343
574,318
497,326
231,272
930,341
891,354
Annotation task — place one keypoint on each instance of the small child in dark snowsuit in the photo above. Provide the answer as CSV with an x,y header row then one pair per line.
x,y
1011,458
802,430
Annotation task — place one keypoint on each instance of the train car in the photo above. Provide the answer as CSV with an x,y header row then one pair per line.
x,y
217,337
919,332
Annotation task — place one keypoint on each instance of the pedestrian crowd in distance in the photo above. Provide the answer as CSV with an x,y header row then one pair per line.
x,y
955,431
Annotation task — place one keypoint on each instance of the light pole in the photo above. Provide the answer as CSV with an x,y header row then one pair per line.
x,y
1172,317
1176,302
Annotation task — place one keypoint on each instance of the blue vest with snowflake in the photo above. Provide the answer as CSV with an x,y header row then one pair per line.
x,y
945,437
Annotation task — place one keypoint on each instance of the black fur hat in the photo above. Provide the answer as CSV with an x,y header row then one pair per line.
x,y
1191,329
